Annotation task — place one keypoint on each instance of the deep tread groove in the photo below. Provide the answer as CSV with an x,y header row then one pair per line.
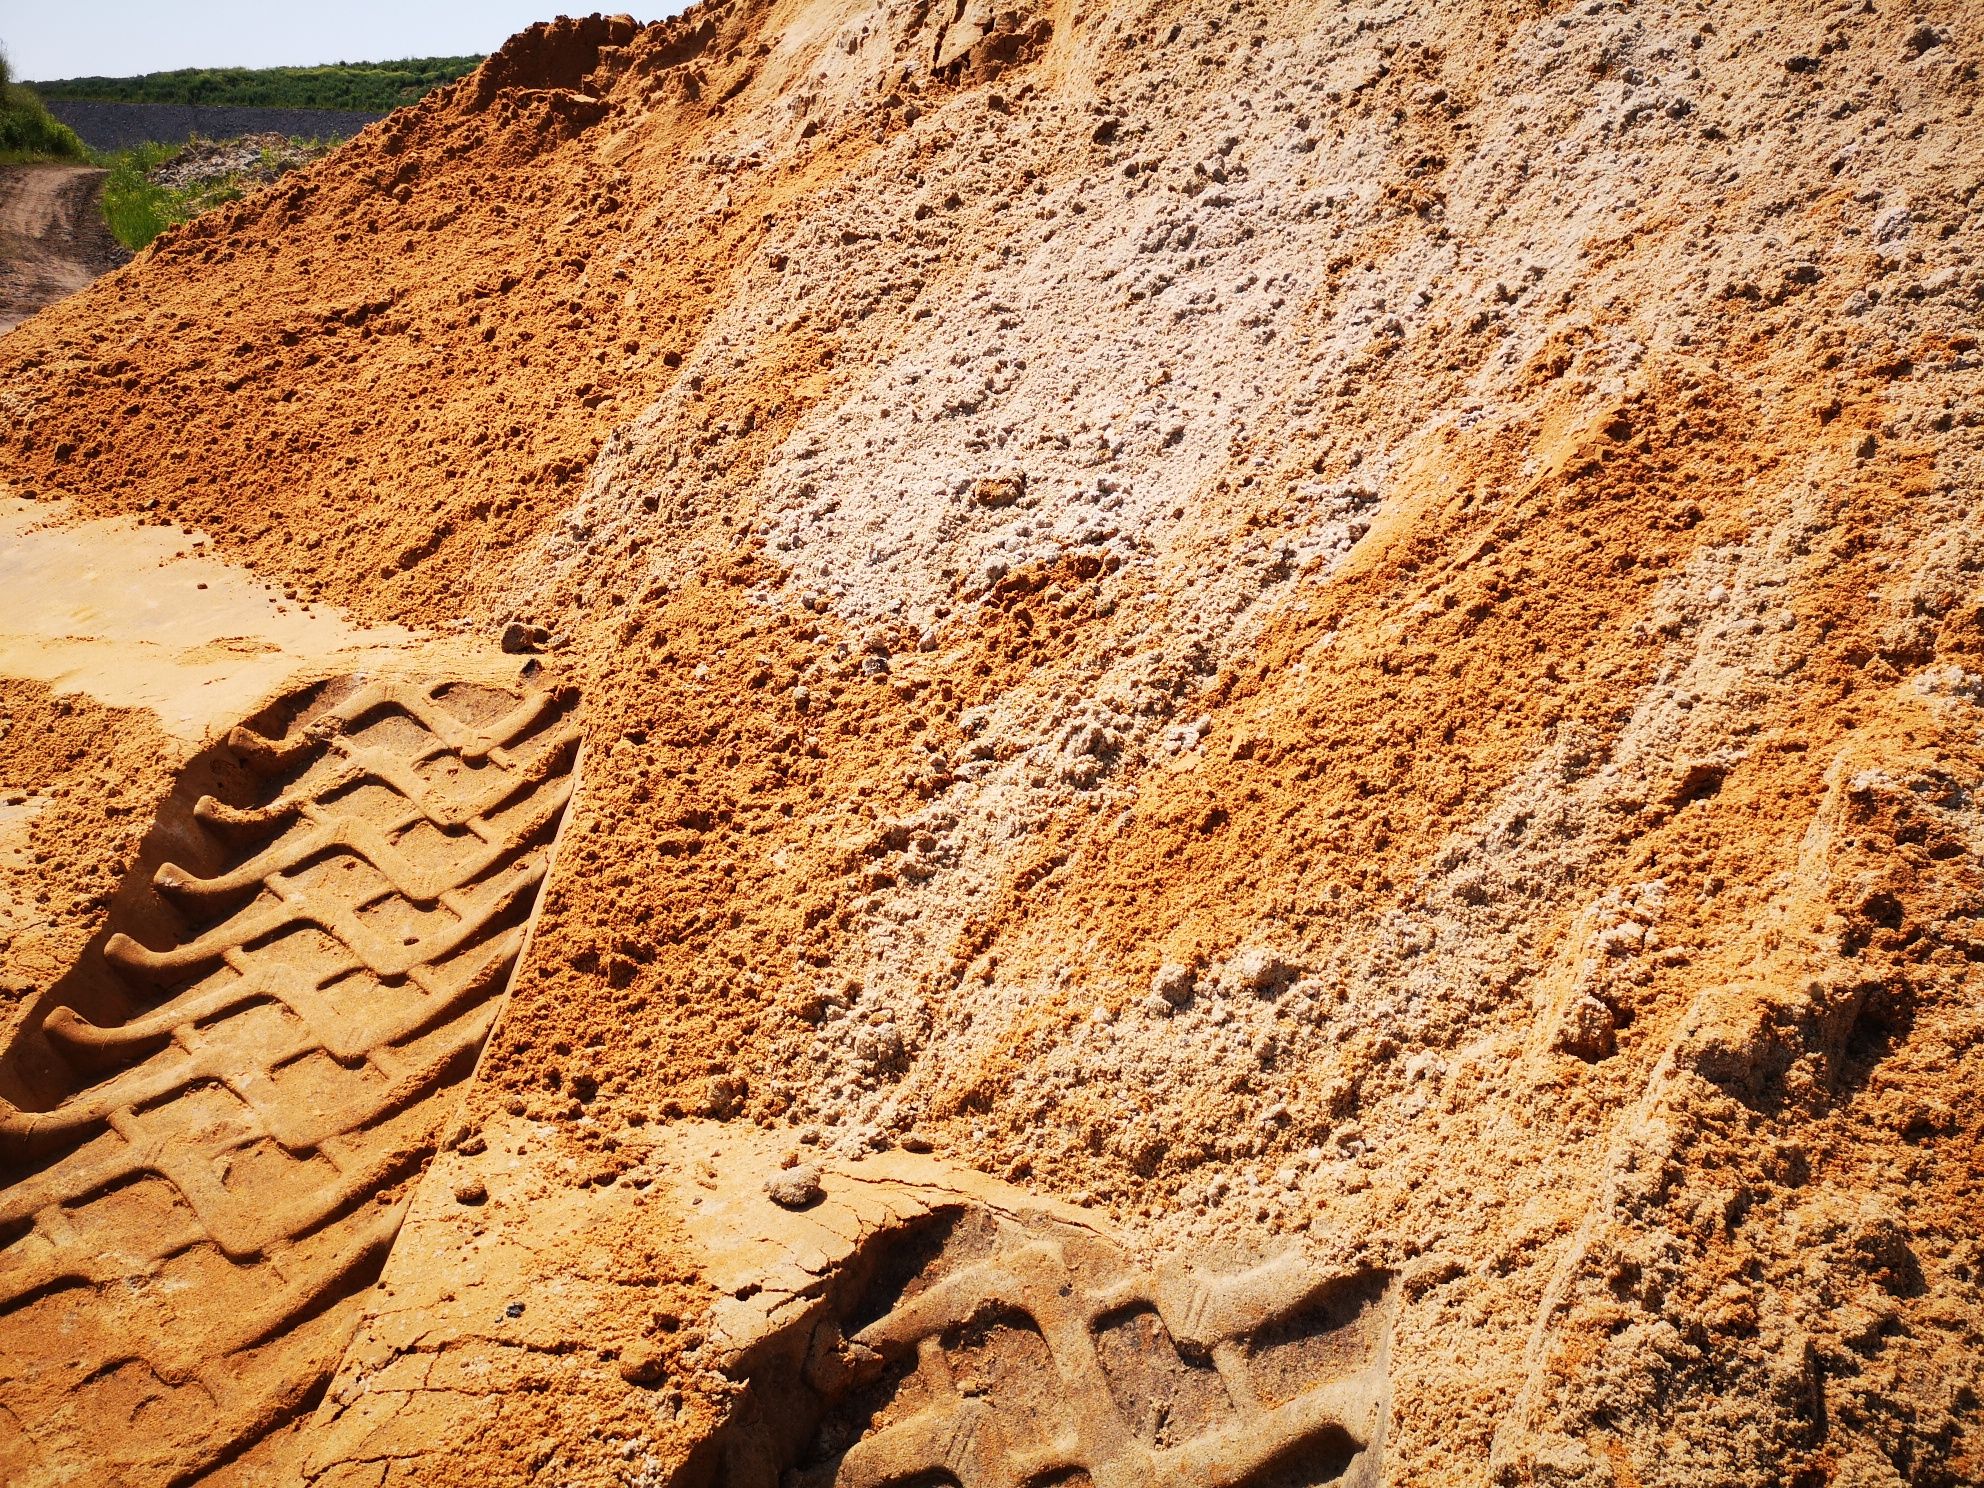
x,y
216,1117
986,1351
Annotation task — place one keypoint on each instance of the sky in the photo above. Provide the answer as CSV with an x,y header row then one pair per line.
x,y
117,38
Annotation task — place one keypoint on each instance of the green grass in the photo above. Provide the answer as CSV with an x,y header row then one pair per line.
x,y
362,87
27,132
138,208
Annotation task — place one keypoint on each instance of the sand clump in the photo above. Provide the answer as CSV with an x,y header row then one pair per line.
x,y
1339,634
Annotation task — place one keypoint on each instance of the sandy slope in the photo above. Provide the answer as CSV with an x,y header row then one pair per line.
x,y
1346,633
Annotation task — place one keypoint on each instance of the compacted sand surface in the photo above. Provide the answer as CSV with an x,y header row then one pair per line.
x,y
1272,713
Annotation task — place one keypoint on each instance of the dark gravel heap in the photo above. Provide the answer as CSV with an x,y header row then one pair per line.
x,y
118,126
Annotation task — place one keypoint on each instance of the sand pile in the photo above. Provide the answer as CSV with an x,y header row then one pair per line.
x,y
1281,709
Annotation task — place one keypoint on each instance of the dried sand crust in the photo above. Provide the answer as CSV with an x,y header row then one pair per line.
x,y
1336,639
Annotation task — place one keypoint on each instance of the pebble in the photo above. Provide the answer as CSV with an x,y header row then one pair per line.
x,y
471,1191
1174,982
1260,971
999,491
519,637
642,1366
795,1188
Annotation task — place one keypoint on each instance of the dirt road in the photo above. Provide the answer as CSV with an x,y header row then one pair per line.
x,y
52,238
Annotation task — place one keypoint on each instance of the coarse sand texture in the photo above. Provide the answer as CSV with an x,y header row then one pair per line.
x,y
839,745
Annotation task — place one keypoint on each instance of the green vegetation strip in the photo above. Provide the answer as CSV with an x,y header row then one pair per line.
x,y
139,208
361,87
136,209
27,132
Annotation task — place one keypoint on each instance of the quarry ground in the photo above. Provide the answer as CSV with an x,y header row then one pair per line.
x,y
1273,711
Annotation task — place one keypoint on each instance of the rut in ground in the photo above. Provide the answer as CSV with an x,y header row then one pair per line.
x,y
213,1124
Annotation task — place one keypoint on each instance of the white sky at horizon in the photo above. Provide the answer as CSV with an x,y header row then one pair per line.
x,y
119,38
